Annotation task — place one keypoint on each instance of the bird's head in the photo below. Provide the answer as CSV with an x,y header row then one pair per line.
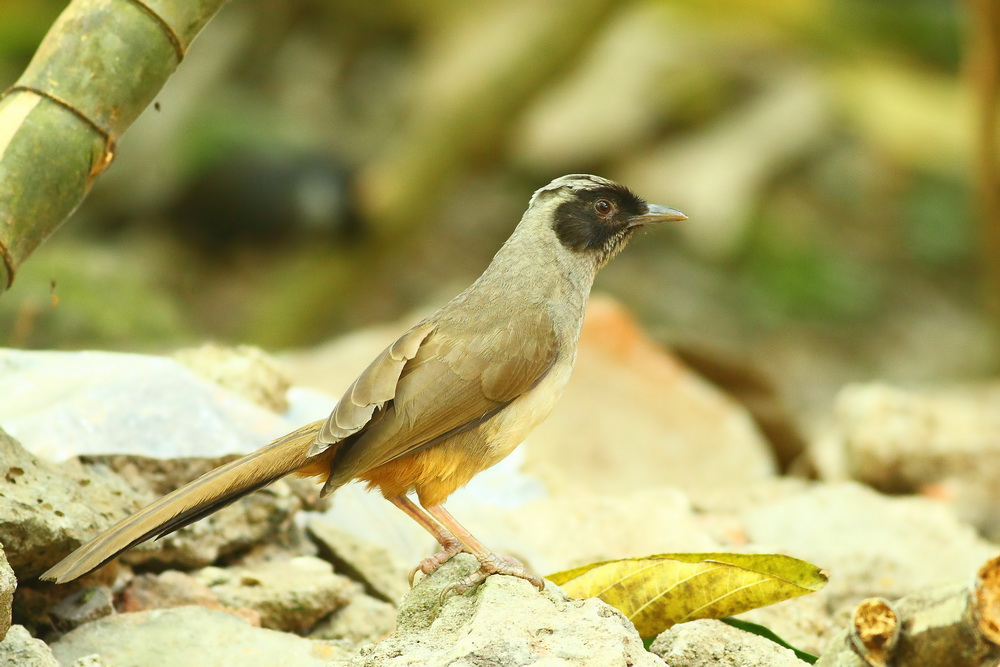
x,y
596,216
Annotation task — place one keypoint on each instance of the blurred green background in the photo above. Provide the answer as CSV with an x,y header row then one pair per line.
x,y
318,165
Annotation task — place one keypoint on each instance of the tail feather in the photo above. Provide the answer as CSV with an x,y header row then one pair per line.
x,y
195,500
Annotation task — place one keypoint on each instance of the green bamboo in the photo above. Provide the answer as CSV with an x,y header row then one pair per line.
x,y
101,63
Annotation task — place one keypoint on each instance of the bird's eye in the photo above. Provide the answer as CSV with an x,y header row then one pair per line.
x,y
602,206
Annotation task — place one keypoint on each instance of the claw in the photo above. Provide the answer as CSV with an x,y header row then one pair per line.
x,y
447,591
494,564
431,563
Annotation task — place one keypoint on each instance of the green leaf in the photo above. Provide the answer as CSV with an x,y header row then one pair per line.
x,y
656,592
767,633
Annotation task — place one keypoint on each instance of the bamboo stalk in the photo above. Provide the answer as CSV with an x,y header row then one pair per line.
x,y
984,71
101,63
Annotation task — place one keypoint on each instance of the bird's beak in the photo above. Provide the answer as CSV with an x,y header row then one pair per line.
x,y
656,213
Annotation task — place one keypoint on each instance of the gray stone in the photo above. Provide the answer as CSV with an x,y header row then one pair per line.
x,y
82,606
166,589
185,636
505,621
8,584
710,643
364,620
291,595
176,589
379,570
20,649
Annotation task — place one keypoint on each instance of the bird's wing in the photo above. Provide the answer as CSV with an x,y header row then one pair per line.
x,y
372,390
453,383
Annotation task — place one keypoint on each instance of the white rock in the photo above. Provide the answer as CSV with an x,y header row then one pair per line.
x,y
8,583
187,636
291,595
873,545
20,649
60,404
710,643
506,622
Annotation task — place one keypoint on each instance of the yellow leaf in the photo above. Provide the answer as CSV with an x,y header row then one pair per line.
x,y
656,592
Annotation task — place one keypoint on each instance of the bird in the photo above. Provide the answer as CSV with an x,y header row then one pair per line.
x,y
454,395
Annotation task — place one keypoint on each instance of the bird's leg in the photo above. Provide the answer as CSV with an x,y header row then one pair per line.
x,y
489,562
450,545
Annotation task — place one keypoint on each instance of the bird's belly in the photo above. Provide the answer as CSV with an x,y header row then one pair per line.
x,y
435,473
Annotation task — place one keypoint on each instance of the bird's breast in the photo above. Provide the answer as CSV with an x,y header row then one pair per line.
x,y
511,426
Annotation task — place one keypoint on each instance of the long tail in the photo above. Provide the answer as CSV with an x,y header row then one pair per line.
x,y
205,495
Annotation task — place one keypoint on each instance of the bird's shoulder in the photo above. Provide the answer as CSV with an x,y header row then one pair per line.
x,y
501,352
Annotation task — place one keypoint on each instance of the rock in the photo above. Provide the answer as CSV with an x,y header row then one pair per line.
x,y
364,620
188,636
45,514
633,416
8,584
20,649
166,589
244,370
82,498
382,574
265,515
96,404
710,643
871,544
876,546
176,589
291,595
61,404
89,661
945,443
506,621
82,606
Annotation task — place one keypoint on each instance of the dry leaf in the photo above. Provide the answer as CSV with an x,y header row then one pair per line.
x,y
656,592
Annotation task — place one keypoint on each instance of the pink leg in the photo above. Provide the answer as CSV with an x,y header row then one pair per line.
x,y
450,545
490,563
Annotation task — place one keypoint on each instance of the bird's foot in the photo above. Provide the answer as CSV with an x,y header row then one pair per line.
x,y
450,547
494,563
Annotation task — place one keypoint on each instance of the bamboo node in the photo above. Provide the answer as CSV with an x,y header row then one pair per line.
x,y
8,263
175,40
110,144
